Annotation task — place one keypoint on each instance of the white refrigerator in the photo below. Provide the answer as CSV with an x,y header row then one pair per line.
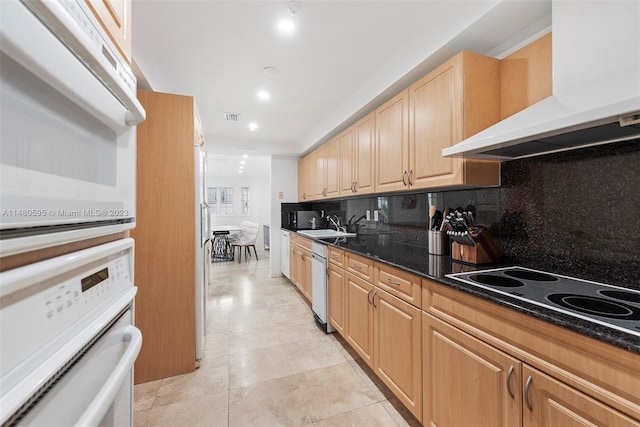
x,y
203,248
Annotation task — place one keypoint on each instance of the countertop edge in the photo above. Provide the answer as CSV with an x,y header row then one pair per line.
x,y
620,339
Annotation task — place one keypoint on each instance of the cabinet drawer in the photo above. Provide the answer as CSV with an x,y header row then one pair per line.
x,y
360,266
404,285
303,242
336,256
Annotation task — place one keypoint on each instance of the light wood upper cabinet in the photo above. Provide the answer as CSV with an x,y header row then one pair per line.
x,y
319,159
348,161
526,76
357,157
392,144
453,102
326,174
115,18
332,168
364,155
306,178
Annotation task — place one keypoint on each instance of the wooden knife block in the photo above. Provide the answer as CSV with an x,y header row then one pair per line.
x,y
486,252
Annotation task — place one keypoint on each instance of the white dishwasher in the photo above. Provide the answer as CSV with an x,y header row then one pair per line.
x,y
319,288
285,263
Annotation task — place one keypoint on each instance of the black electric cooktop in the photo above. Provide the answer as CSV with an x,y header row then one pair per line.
x,y
612,306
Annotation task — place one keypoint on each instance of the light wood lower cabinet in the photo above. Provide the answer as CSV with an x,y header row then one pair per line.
x,y
300,265
337,309
359,317
549,402
467,382
382,328
397,355
559,377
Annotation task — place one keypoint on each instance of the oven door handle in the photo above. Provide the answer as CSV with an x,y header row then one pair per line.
x,y
101,403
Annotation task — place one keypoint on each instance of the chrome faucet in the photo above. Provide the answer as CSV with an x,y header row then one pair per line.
x,y
336,223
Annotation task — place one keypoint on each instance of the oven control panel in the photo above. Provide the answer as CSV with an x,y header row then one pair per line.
x,y
45,305
86,291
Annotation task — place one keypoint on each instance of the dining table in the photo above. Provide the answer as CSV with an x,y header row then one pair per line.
x,y
221,249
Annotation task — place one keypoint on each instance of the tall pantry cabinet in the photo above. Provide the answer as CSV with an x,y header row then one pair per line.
x,y
165,236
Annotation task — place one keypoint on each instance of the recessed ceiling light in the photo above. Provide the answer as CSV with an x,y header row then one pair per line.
x,y
240,167
239,171
244,156
253,126
263,95
286,26
270,69
243,162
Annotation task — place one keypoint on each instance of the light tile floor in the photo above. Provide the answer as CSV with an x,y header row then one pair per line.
x,y
267,364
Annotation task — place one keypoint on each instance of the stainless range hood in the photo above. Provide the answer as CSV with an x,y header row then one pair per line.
x,y
596,87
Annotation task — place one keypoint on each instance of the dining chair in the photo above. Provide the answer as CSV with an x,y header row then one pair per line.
x,y
245,239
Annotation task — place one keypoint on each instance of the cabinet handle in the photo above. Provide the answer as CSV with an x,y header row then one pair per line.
x,y
368,296
527,388
374,299
355,187
411,177
393,282
359,267
509,374
404,178
324,192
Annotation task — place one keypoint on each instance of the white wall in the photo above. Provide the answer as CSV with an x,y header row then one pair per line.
x,y
258,197
284,179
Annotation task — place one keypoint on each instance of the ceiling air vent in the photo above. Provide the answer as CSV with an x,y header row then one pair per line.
x,y
232,117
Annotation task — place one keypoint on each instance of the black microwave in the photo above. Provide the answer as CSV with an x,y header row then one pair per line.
x,y
304,220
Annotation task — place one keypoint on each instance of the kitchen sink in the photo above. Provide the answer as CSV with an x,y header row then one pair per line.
x,y
325,234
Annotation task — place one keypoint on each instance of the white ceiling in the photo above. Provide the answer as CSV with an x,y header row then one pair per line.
x,y
343,58
224,165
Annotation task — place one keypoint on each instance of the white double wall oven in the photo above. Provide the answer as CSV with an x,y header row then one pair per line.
x,y
68,116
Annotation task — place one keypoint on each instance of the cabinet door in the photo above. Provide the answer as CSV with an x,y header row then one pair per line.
x,y
306,272
115,18
347,158
359,317
336,298
548,402
397,358
332,170
435,123
392,144
299,268
467,382
292,263
364,155
319,177
302,179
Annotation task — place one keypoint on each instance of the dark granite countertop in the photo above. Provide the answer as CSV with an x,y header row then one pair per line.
x,y
416,260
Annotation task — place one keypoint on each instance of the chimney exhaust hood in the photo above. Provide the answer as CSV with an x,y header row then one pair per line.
x,y
596,87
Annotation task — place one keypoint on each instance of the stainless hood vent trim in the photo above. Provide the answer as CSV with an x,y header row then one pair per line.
x,y
596,87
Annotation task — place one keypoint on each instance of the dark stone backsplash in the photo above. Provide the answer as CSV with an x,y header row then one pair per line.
x,y
575,213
